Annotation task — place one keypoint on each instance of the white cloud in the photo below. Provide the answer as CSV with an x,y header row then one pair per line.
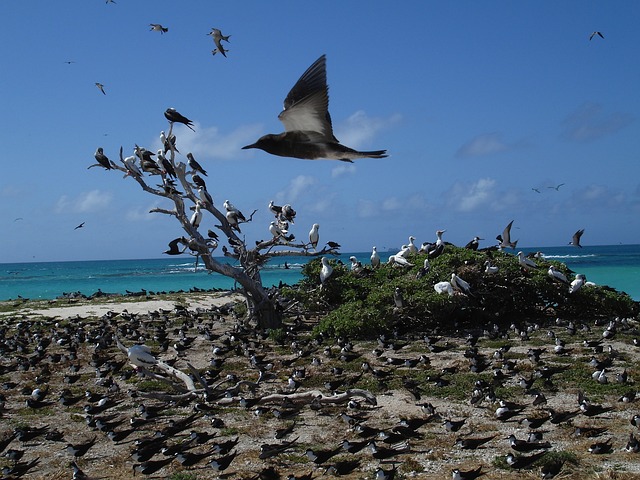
x,y
91,201
391,204
142,214
210,143
359,129
467,198
297,187
485,144
589,122
343,169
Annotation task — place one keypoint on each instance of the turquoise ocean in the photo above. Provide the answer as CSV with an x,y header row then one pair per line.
x,y
617,266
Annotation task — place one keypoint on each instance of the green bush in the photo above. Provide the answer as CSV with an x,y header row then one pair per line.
x,y
361,304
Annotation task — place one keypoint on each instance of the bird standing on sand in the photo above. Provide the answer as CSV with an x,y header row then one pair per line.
x,y
308,131
156,27
174,116
101,87
217,36
575,240
314,236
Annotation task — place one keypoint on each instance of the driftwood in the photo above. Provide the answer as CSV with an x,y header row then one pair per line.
x,y
164,368
312,396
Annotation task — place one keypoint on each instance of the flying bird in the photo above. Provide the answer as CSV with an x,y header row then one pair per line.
x,y
79,226
556,187
217,36
308,131
173,116
593,34
101,87
156,27
505,239
575,240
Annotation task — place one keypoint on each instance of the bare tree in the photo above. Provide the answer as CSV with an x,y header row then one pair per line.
x,y
183,184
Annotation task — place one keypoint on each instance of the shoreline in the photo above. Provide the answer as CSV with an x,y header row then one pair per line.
x,y
98,306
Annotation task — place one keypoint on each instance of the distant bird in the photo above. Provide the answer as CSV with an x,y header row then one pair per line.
x,y
444,287
556,187
457,474
168,143
194,165
217,36
314,236
398,298
535,190
473,244
325,271
398,260
490,269
156,27
375,258
575,240
556,274
577,283
593,34
80,449
174,116
101,87
505,239
308,131
525,262
424,269
459,284
79,226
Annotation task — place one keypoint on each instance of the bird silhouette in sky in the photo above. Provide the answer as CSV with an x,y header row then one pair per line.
x,y
156,27
308,131
79,226
599,34
101,87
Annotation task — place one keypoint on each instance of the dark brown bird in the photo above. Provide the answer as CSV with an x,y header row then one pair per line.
x,y
308,131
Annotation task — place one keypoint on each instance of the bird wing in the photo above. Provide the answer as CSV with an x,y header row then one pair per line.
x,y
307,104
577,235
506,234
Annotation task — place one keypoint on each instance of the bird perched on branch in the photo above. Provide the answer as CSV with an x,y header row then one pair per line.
x,y
194,165
308,131
174,116
314,236
102,159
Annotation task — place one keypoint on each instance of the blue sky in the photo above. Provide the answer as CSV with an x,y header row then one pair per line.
x,y
477,103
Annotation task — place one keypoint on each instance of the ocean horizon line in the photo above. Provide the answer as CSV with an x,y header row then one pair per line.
x,y
338,254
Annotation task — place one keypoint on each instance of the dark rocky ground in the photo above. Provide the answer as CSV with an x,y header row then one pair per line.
x,y
37,352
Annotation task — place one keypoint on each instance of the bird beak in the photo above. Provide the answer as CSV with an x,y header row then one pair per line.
x,y
253,145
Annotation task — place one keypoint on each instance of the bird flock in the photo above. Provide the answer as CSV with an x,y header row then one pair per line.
x,y
482,403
